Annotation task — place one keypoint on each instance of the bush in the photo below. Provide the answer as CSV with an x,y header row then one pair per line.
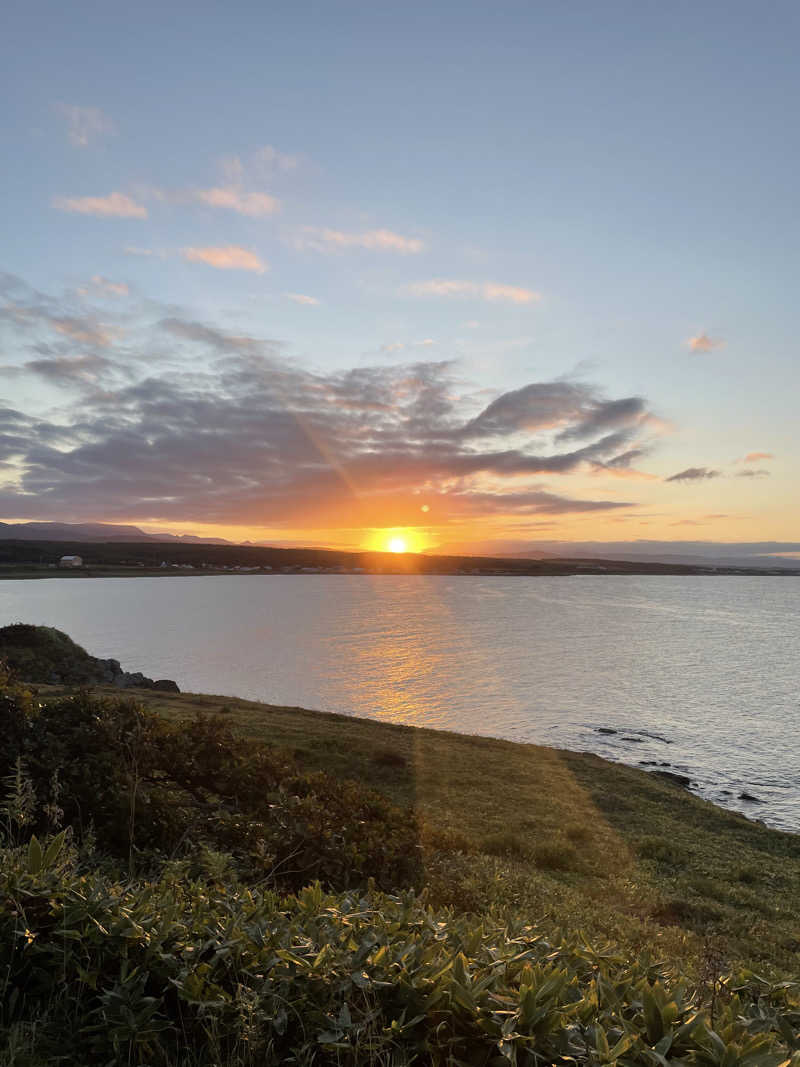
x,y
181,972
147,789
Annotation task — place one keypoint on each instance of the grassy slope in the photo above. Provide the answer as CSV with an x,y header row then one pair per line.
x,y
566,836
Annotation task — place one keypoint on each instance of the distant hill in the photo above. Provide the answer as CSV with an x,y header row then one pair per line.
x,y
93,531
749,554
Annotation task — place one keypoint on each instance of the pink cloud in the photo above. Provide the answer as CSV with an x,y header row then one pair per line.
x,y
701,342
301,298
226,257
115,205
492,291
253,204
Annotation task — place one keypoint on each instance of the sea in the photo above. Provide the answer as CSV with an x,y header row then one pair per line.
x,y
697,675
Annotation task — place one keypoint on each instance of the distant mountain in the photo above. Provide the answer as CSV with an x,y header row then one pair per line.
x,y
768,554
93,531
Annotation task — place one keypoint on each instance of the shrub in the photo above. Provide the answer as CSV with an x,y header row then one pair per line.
x,y
147,788
182,972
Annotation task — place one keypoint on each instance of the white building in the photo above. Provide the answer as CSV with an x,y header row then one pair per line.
x,y
70,561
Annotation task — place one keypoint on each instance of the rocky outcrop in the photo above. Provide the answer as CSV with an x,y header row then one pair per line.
x,y
676,779
113,674
48,656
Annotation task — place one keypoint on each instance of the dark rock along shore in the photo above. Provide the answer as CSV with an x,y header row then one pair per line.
x,y
48,656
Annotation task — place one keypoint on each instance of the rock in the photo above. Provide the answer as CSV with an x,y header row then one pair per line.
x,y
42,654
676,779
750,798
636,740
605,730
166,685
136,680
658,737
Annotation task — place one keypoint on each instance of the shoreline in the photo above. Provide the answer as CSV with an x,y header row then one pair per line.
x,y
20,574
676,779
573,837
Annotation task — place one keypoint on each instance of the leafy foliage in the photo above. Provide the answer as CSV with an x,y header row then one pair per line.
x,y
147,789
173,896
200,971
42,654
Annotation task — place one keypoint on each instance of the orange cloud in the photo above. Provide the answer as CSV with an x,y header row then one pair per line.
x,y
301,298
492,291
253,204
105,285
83,331
115,205
226,257
703,343
754,457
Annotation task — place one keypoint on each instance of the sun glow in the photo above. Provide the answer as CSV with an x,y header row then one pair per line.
x,y
400,540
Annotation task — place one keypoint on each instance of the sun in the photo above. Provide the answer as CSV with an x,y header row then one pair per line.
x,y
397,544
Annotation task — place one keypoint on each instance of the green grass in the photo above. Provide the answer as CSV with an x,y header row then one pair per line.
x,y
559,837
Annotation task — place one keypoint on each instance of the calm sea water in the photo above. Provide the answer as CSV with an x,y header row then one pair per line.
x,y
702,674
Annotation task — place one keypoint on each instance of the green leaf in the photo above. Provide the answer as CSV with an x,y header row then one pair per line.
x,y
34,856
54,850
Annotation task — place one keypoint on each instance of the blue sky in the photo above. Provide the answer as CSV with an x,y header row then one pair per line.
x,y
525,191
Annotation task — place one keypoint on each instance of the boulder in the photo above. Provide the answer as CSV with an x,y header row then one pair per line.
x,y
677,779
166,685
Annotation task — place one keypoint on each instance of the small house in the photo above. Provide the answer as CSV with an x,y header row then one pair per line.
x,y
70,561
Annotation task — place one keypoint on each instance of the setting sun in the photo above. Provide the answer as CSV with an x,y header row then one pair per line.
x,y
398,544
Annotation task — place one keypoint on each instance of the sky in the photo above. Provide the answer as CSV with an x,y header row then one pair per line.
x,y
464,273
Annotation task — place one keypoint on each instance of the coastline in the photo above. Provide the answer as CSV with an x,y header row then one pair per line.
x,y
603,846
40,574
277,724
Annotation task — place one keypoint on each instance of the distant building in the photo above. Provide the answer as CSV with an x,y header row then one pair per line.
x,y
70,561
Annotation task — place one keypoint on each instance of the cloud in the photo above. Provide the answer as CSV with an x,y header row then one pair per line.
x,y
270,158
104,287
254,205
179,419
301,298
226,257
703,343
136,250
693,474
759,473
61,370
534,502
85,124
755,457
320,239
115,205
491,291
262,165
83,331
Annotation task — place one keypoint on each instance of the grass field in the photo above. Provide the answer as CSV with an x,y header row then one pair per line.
x,y
563,837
